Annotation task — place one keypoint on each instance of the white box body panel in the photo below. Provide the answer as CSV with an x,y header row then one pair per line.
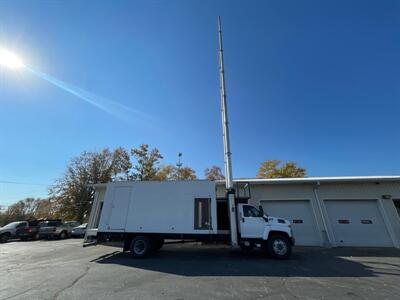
x,y
156,207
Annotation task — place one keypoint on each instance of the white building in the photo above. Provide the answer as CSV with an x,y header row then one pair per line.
x,y
332,211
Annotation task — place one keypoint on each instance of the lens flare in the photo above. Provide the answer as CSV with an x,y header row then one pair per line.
x,y
10,60
114,108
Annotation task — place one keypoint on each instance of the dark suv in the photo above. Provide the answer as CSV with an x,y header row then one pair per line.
x,y
30,232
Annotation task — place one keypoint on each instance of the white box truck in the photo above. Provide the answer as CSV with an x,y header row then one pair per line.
x,y
142,214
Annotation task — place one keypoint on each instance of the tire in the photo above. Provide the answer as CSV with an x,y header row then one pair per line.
x,y
24,239
63,235
279,247
4,237
141,247
36,237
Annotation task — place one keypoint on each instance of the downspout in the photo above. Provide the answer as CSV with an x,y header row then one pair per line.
x,y
327,240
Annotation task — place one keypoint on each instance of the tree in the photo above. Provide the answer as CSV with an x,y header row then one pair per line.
x,y
71,196
185,173
21,211
43,209
214,173
170,172
278,169
147,162
165,173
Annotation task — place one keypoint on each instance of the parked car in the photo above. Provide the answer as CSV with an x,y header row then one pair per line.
x,y
30,232
10,230
79,231
56,229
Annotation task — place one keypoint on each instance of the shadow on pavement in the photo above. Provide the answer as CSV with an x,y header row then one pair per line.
x,y
220,261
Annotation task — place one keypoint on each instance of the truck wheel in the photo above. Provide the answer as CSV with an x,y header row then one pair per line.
x,y
63,235
4,237
279,247
36,237
140,247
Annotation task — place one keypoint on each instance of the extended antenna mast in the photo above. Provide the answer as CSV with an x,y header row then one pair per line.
x,y
230,191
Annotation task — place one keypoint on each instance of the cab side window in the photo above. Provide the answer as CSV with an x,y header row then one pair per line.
x,y
250,211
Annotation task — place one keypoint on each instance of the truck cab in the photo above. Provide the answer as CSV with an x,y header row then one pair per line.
x,y
256,229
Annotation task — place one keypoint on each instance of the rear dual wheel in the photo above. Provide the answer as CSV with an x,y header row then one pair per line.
x,y
143,246
140,247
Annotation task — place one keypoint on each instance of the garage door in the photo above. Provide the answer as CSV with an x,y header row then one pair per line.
x,y
300,214
357,223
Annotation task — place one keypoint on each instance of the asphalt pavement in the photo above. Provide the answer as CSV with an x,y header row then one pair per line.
x,y
63,269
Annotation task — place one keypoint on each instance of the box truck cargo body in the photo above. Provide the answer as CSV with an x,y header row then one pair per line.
x,y
160,207
145,213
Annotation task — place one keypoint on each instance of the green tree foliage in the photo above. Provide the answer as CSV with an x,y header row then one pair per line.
x,y
214,173
185,173
278,169
44,209
147,162
170,172
23,210
70,194
70,198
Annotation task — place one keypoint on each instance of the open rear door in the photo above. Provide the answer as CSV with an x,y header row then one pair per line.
x,y
94,218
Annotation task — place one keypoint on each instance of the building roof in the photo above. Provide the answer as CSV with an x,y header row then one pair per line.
x,y
299,180
318,179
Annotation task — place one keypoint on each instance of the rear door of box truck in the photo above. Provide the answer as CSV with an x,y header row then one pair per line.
x,y
119,207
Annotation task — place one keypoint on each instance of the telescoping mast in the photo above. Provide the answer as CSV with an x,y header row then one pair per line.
x,y
230,191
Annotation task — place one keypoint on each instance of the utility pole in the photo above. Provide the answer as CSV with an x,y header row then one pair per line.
x,y
230,191
179,165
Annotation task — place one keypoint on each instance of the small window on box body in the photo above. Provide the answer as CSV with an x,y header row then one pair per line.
x,y
202,213
297,221
344,221
366,221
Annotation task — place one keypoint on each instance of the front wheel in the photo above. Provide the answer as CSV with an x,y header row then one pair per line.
x,y
279,247
63,235
4,238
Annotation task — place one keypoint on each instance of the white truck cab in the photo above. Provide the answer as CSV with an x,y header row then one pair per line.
x,y
259,230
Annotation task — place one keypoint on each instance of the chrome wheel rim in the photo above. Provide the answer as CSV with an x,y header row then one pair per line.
x,y
139,247
279,247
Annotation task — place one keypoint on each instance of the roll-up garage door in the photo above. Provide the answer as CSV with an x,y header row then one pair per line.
x,y
300,214
357,223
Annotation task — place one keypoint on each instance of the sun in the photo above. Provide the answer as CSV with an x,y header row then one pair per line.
x,y
10,60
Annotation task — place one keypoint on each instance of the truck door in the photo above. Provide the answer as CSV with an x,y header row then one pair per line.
x,y
119,208
251,225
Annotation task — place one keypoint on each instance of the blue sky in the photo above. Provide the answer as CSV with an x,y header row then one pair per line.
x,y
316,82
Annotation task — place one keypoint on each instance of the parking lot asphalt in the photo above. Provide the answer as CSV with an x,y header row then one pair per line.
x,y
62,269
